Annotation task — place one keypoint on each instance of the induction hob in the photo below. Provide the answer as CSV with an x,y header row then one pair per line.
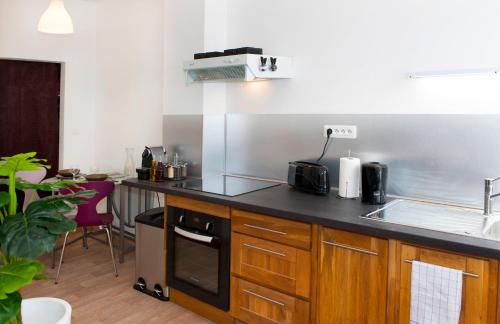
x,y
226,185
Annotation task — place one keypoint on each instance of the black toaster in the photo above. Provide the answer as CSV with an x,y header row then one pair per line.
x,y
309,177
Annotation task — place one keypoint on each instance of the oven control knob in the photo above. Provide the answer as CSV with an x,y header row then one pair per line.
x,y
181,219
209,227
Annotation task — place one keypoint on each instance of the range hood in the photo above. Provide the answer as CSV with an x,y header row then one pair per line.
x,y
244,67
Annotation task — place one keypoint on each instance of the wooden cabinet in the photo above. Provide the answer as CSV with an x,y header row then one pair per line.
x,y
272,228
479,294
285,271
272,264
252,303
273,267
352,283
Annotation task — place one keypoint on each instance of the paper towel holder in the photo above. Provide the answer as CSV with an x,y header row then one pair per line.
x,y
349,177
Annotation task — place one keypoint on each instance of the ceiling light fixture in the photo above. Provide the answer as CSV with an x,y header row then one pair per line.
x,y
56,20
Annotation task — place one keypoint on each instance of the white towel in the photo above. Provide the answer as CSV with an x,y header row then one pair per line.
x,y
436,294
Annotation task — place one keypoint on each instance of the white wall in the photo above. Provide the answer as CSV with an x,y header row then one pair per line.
x,y
354,56
129,79
113,91
19,38
184,33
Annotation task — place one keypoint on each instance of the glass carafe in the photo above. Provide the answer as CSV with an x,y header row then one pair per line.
x,y
129,169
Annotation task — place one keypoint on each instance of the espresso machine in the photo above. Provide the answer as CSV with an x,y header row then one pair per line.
x,y
150,154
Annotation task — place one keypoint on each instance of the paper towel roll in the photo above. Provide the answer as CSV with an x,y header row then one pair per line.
x,y
349,177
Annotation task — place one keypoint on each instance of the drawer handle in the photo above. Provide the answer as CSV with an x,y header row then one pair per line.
x,y
348,247
249,292
264,250
265,229
467,274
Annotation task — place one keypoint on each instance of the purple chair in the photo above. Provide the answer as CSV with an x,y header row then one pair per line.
x,y
88,216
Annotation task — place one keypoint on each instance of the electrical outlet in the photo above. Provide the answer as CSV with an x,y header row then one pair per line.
x,y
341,131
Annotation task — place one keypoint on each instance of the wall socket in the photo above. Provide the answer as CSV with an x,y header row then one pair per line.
x,y
341,131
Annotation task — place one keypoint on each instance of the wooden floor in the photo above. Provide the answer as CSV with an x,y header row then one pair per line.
x,y
88,284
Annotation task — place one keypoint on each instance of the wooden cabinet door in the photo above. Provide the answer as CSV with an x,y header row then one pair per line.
x,y
352,278
252,303
478,294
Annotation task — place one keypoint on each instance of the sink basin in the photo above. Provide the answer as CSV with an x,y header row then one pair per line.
x,y
437,217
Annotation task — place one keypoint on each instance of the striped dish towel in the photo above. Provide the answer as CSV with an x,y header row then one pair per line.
x,y
436,294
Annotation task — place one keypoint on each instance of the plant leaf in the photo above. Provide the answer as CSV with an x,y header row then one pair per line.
x,y
44,186
35,232
23,237
58,204
20,162
10,307
16,274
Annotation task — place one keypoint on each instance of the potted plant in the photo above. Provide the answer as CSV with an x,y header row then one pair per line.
x,y
25,236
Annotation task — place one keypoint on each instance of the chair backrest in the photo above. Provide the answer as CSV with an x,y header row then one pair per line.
x,y
34,177
87,213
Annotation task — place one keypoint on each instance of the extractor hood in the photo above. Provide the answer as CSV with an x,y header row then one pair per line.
x,y
244,67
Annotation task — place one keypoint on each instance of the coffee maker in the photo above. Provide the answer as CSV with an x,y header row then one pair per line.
x,y
150,154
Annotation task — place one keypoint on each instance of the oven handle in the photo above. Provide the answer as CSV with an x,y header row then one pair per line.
x,y
193,236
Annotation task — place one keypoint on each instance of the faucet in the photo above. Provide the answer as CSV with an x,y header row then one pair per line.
x,y
488,195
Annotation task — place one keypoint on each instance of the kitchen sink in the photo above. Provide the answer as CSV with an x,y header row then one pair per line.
x,y
438,217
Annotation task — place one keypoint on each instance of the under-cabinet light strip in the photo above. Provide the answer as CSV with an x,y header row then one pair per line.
x,y
465,72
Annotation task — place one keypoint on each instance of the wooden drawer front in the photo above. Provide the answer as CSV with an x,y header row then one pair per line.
x,y
251,303
478,294
271,228
276,265
198,206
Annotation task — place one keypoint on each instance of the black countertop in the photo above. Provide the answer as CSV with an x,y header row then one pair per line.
x,y
285,202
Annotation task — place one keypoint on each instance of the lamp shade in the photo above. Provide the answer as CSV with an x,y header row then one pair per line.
x,y
56,20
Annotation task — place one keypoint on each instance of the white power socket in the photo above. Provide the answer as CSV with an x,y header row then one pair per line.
x,y
341,131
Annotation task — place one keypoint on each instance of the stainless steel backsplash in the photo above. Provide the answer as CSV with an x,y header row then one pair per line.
x,y
436,157
183,134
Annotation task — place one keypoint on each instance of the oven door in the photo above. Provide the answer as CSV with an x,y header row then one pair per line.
x,y
195,267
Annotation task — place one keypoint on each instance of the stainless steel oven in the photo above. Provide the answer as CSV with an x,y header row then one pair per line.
x,y
198,255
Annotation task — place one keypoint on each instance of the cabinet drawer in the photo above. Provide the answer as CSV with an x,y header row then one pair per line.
x,y
252,303
273,264
272,228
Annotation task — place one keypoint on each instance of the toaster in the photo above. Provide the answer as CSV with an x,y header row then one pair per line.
x,y
309,177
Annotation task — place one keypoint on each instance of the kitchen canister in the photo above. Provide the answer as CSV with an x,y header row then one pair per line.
x,y
349,177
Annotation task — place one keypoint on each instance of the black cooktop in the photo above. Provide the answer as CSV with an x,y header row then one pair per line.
x,y
226,185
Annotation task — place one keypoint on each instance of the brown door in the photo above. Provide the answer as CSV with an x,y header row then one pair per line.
x,y
29,109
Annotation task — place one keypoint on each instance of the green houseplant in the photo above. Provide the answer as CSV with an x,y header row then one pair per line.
x,y
24,236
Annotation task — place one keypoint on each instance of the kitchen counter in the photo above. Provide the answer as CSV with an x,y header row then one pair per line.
x,y
285,202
